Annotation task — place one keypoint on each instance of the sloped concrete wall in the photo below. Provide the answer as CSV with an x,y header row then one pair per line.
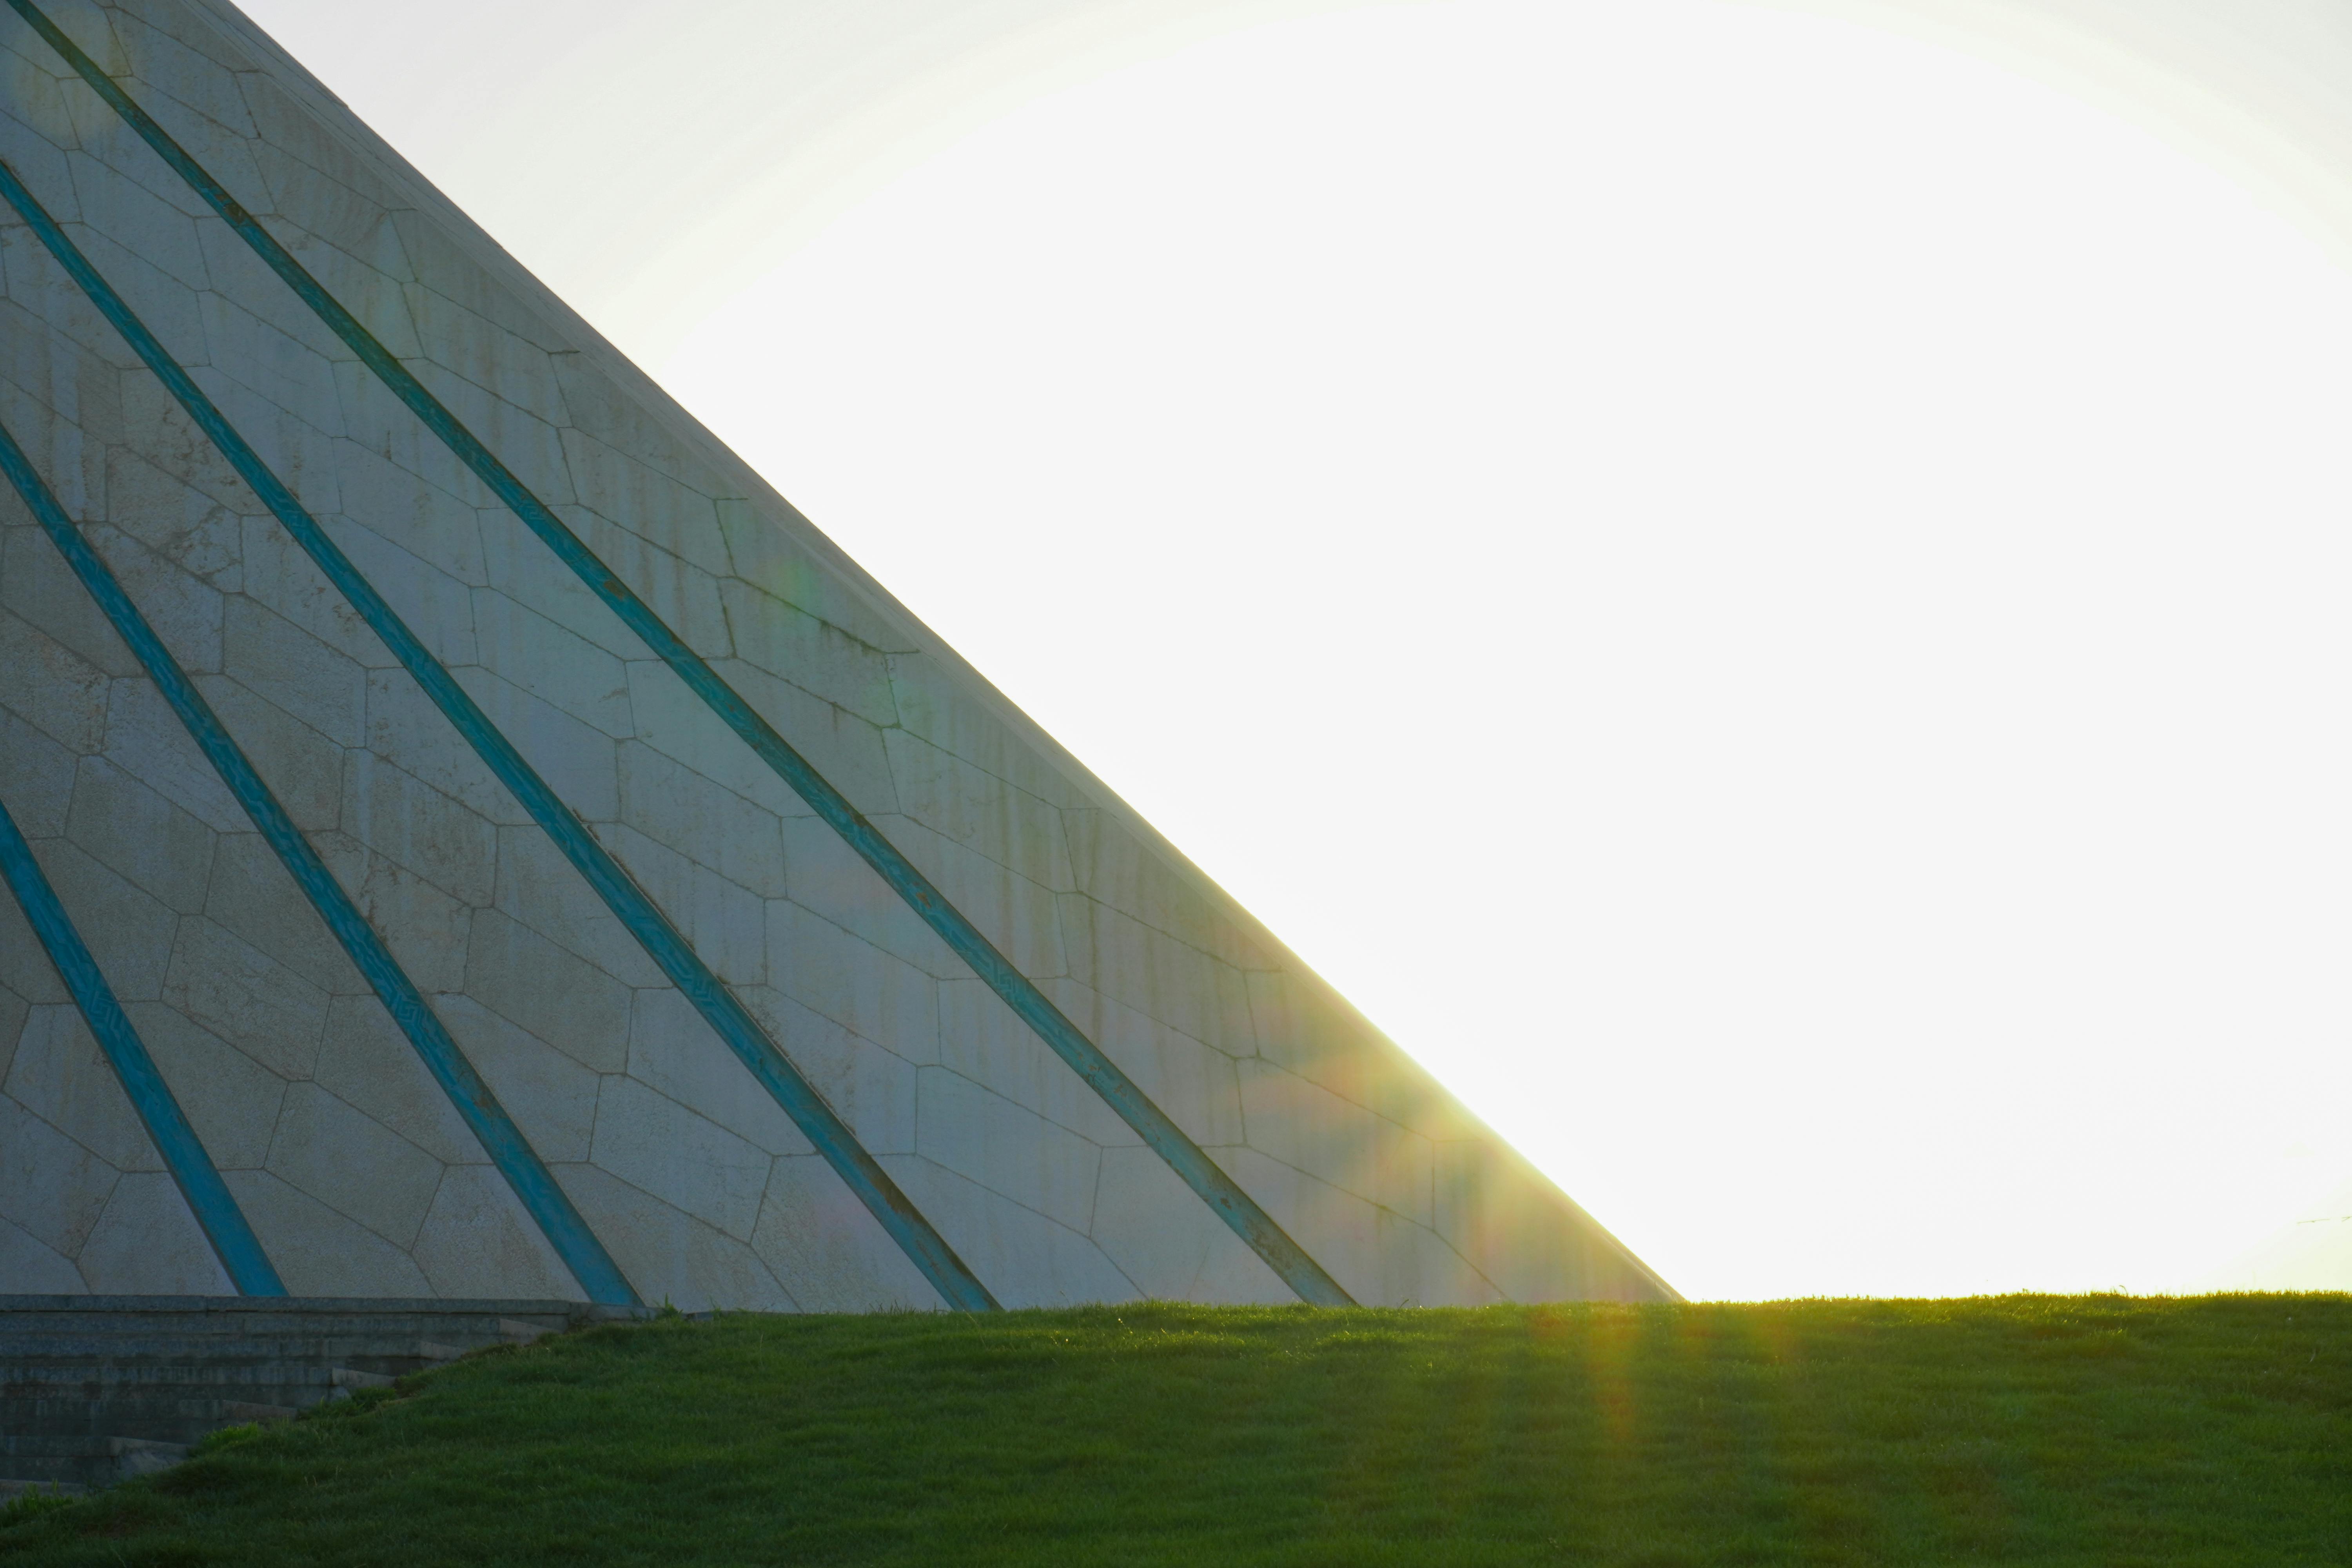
x,y
356,1174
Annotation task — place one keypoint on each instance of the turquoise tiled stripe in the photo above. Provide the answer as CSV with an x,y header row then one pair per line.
x,y
1223,1196
209,1196
725,1013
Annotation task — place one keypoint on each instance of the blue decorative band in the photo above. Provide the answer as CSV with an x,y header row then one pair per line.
x,y
209,1196
727,1015
1223,1196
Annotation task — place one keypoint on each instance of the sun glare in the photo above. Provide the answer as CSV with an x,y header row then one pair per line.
x,y
1764,596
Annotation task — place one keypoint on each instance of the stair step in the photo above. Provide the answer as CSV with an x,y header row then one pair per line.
x,y
16,1348
486,1327
86,1461
167,1420
97,1388
9,1489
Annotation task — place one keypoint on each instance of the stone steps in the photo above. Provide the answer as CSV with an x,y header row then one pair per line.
x,y
94,1389
169,1420
84,1463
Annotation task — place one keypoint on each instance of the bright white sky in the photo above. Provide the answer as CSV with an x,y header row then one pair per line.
x,y
1767,596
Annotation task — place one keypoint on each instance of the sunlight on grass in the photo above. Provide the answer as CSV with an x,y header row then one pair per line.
x,y
2014,1429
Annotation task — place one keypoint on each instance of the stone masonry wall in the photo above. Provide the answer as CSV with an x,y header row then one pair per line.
x,y
356,1174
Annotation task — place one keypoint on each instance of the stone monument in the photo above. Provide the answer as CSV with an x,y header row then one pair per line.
x,y
465,836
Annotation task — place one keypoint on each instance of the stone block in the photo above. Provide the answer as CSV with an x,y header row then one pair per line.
x,y
723,922
1512,1225
650,503
518,564
148,1243
1113,866
479,1242
24,968
50,687
15,1012
853,983
530,446
1024,1259
33,1268
1194,1083
353,1164
317,1251
846,749
137,833
870,1088
932,708
541,887
676,723
1379,1257
814,655
37,777
282,119
509,367
824,875
828,1250
551,1098
600,407
442,263
400,817
406,729
60,1076
426,929
435,606
36,584
1019,918
982,1039
673,805
145,739
427,521
552,664
973,808
246,997
1006,1148
780,552
267,362
302,767
50,1186
253,895
1304,1125
367,1062
188,528
282,576
130,933
670,1255
576,760
192,68
565,1001
674,1052
278,660
1304,1026
683,595
1152,972
230,1099
1171,1244
659,1146
127,213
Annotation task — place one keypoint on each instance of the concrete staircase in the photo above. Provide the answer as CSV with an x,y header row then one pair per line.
x,y
95,1389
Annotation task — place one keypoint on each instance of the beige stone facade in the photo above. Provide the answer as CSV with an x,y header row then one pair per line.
x,y
355,1172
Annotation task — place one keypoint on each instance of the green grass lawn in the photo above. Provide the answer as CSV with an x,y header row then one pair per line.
x,y
2104,1430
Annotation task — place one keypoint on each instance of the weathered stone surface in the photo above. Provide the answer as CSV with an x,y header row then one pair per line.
x,y
148,1243
357,1171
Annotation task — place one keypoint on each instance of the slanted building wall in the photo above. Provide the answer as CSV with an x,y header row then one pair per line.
x,y
355,1172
